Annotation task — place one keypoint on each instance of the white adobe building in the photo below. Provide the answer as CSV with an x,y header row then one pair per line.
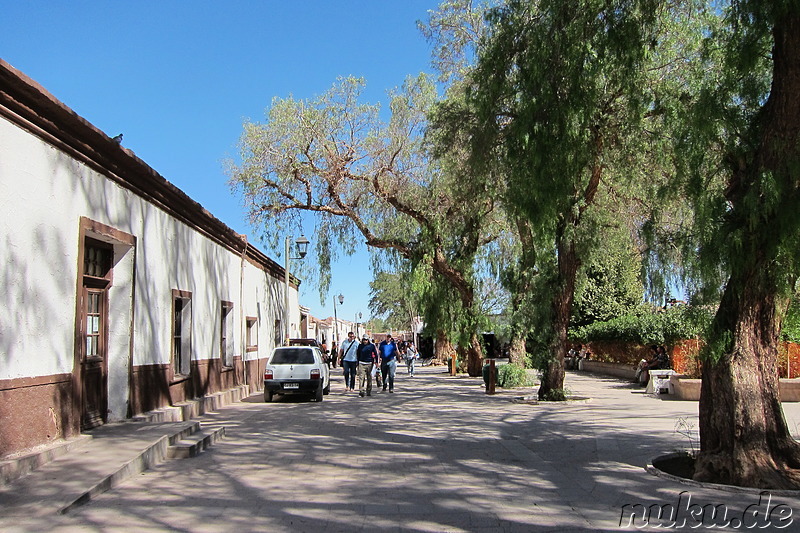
x,y
120,294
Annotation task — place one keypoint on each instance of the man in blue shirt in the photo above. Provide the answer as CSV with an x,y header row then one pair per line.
x,y
387,351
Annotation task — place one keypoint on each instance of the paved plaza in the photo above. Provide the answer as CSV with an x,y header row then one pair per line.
x,y
437,455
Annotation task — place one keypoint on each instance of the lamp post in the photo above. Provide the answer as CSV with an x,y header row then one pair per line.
x,y
302,250
358,321
335,318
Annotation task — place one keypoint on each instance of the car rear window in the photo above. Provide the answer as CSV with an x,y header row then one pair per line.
x,y
293,356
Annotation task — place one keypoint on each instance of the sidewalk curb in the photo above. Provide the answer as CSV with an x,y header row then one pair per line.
x,y
153,455
15,467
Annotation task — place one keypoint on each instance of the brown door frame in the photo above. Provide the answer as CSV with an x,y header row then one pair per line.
x,y
104,233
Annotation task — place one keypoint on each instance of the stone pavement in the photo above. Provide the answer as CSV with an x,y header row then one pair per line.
x,y
437,455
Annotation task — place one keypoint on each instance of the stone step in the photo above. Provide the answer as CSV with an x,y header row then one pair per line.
x,y
25,463
196,407
191,445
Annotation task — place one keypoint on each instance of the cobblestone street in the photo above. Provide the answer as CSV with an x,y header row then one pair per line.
x,y
437,455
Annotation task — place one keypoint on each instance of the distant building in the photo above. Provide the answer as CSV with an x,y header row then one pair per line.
x,y
120,294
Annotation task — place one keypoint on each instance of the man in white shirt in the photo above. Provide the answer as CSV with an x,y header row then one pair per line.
x,y
348,354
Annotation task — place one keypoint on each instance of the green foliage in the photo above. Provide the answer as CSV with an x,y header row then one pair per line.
x,y
609,281
648,326
557,395
391,297
791,323
454,30
331,161
377,324
512,375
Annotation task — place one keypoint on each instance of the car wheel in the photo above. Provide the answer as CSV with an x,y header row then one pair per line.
x,y
318,395
267,396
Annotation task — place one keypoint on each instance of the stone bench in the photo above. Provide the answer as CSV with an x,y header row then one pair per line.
x,y
659,382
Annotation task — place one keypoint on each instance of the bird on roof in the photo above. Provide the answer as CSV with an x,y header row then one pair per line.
x,y
118,139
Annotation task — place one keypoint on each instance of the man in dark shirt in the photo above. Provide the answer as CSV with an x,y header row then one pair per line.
x,y
366,355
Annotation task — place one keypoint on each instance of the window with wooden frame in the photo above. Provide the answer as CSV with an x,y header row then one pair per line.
x,y
278,333
226,334
251,334
181,332
97,261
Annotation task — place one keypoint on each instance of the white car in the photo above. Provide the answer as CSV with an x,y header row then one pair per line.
x,y
296,370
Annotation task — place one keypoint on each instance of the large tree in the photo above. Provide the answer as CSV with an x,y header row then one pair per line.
x,y
335,158
739,161
559,89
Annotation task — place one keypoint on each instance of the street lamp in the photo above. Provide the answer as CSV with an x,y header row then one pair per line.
x,y
335,318
358,320
302,250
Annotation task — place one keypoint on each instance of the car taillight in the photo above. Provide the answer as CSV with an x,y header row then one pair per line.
x,y
315,373
268,374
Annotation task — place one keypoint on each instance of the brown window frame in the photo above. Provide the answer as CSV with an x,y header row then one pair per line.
x,y
251,330
181,362
226,332
278,332
97,285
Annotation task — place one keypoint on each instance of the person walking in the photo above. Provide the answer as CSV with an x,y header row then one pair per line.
x,y
411,356
348,354
366,356
387,352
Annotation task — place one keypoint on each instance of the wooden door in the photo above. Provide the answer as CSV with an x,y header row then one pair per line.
x,y
94,361
94,346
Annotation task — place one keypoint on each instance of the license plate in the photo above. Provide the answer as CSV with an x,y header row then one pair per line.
x,y
291,385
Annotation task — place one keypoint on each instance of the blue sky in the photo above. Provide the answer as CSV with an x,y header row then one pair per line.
x,y
178,78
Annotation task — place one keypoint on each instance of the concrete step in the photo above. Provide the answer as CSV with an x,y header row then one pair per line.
x,y
191,445
195,408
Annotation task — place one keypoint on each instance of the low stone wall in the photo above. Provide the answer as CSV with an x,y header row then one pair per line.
x,y
684,388
684,355
689,389
610,369
790,390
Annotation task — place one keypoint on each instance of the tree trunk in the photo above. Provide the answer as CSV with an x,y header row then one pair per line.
x,y
443,347
475,355
517,352
466,293
552,385
521,286
744,439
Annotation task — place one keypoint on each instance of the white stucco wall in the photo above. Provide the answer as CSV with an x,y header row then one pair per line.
x,y
43,194
38,247
263,299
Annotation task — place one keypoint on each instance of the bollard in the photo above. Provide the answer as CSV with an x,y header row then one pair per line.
x,y
492,377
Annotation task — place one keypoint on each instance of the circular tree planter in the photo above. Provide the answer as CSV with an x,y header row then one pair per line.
x,y
534,400
679,467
